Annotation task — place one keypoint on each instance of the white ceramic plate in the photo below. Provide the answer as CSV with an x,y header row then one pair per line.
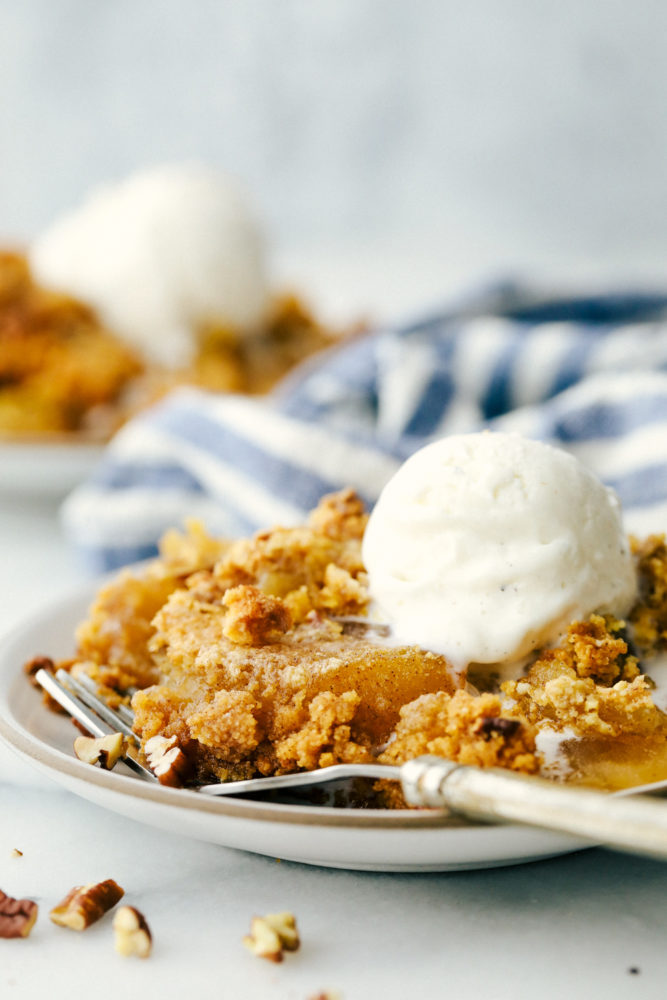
x,y
376,840
45,468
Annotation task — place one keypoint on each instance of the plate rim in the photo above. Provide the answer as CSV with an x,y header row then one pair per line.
x,y
41,467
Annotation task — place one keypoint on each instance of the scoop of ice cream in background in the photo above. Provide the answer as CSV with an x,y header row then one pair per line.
x,y
159,255
484,547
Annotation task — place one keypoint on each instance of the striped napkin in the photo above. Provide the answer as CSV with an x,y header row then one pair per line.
x,y
589,374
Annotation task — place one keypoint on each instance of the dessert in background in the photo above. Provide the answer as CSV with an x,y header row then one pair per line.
x,y
272,654
160,256
153,282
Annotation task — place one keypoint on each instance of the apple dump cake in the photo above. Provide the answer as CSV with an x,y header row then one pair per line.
x,y
151,283
266,655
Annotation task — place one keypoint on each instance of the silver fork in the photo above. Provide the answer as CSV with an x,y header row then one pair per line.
x,y
633,823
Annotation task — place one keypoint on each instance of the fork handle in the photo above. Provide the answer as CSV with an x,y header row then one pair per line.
x,y
635,823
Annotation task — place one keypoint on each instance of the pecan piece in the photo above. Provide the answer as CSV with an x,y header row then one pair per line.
x,y
272,935
30,669
103,750
167,761
38,663
84,904
132,933
17,916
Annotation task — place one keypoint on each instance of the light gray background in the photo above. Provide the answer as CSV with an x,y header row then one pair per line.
x,y
518,128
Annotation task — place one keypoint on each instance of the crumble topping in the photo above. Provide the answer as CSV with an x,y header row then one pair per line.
x,y
316,567
590,683
326,738
43,333
229,720
467,728
254,618
649,617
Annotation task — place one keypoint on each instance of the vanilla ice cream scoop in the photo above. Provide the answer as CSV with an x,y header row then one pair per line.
x,y
158,255
484,547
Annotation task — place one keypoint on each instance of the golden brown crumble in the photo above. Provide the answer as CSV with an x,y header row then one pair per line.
x,y
591,691
183,553
229,720
247,663
588,682
254,618
327,736
112,643
60,370
316,567
467,728
649,617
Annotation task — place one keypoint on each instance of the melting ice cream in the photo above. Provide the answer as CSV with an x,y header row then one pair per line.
x,y
484,547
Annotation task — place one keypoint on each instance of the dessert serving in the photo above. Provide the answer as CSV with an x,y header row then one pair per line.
x,y
154,282
490,611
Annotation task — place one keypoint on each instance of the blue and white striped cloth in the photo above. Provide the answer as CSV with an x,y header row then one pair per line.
x,y
589,374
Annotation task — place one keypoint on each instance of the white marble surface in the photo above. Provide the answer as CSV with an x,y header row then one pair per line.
x,y
573,926
568,927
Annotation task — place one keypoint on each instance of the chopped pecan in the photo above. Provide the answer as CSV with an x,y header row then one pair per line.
x,y
167,761
272,935
132,933
17,916
103,750
85,904
30,669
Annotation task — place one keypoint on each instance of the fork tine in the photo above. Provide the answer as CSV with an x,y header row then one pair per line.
x,y
121,711
89,698
72,705
84,714
303,779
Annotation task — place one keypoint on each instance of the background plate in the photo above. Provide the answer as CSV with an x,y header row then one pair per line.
x,y
376,840
45,468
